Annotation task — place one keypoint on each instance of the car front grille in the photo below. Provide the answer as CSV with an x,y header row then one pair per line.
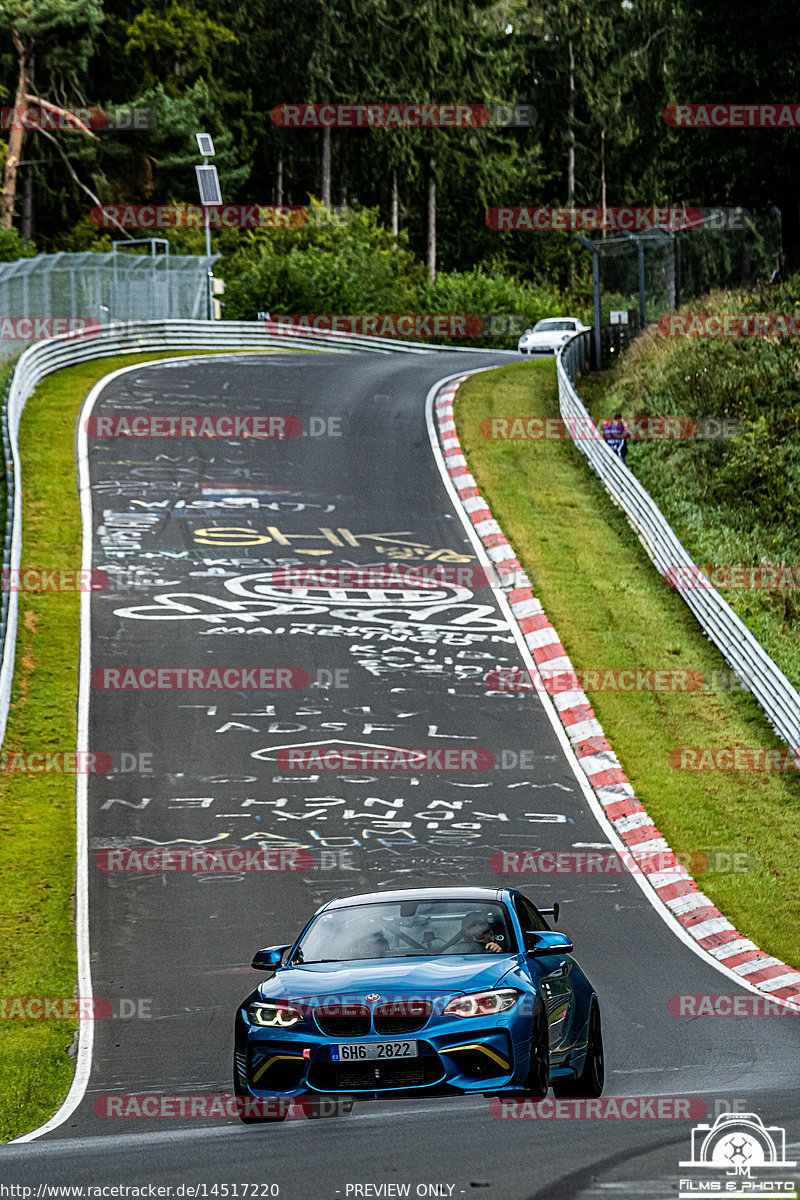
x,y
405,1017
343,1020
377,1076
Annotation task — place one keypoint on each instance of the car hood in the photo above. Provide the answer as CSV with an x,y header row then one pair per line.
x,y
452,974
546,336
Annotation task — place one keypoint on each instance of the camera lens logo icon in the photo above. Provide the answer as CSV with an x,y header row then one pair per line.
x,y
736,1142
739,1153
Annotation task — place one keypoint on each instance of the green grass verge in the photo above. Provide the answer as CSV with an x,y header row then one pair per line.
x,y
37,813
612,609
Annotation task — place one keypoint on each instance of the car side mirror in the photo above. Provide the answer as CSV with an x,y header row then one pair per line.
x,y
544,944
269,958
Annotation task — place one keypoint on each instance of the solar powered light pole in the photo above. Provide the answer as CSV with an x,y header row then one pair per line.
x,y
210,194
592,248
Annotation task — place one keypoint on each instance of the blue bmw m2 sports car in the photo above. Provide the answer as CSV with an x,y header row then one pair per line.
x,y
428,990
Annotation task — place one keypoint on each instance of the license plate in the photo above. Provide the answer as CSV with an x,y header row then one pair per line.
x,y
361,1051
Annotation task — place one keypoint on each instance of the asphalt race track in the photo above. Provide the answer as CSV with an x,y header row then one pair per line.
x,y
190,531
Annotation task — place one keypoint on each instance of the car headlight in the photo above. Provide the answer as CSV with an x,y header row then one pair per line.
x,y
483,1004
275,1016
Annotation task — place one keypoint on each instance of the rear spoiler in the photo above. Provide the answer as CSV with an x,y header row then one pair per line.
x,y
551,912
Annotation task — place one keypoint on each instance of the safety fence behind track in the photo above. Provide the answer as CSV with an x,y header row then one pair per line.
x,y
66,291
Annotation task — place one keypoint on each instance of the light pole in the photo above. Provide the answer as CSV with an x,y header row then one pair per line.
x,y
210,195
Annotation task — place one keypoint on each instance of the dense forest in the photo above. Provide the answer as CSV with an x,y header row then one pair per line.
x,y
599,76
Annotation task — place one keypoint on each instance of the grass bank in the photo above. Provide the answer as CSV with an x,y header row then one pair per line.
x,y
734,501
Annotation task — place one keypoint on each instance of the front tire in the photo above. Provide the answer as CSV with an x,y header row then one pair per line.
x,y
589,1084
538,1078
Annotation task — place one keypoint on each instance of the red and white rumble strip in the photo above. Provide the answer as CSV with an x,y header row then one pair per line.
x,y
673,884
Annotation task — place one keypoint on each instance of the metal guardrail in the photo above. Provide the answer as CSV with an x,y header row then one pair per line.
x,y
137,337
748,658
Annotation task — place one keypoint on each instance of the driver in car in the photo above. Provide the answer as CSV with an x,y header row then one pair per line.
x,y
371,945
477,936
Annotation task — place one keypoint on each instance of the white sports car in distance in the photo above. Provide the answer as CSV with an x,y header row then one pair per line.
x,y
547,336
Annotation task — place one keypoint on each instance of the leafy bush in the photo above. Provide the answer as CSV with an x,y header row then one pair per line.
x,y
356,266
12,246
322,267
483,294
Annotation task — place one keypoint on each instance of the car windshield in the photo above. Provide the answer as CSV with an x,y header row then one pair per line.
x,y
406,929
550,326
